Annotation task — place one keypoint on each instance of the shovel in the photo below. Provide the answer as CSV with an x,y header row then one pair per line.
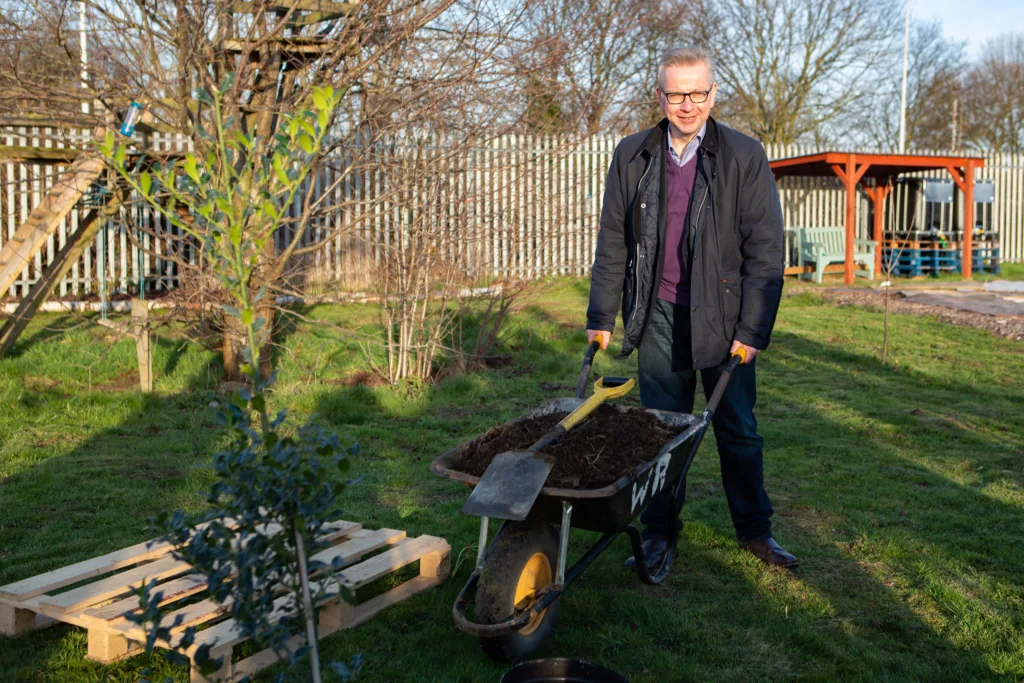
x,y
514,479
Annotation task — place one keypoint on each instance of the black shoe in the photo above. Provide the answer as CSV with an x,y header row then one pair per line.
x,y
654,554
770,552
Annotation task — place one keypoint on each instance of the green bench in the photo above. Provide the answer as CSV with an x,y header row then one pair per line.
x,y
821,246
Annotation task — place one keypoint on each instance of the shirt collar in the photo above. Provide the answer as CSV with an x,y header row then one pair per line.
x,y
691,148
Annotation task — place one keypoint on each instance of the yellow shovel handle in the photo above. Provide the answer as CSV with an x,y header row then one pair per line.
x,y
601,393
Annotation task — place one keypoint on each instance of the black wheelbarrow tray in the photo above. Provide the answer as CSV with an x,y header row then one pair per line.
x,y
520,576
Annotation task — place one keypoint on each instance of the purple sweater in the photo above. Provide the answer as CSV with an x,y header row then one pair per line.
x,y
675,281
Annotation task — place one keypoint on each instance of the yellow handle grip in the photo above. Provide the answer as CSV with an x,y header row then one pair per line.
x,y
742,353
601,393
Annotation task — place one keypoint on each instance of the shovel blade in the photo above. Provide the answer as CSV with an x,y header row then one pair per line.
x,y
509,486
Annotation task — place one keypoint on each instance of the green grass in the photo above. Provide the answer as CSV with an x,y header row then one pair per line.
x,y
899,486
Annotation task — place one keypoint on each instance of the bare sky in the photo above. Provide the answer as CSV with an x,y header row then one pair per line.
x,y
975,21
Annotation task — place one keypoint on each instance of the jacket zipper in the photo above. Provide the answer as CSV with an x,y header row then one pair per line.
x,y
636,284
636,260
701,207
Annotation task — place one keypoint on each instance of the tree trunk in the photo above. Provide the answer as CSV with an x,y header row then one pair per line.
x,y
267,336
234,342
233,345
885,326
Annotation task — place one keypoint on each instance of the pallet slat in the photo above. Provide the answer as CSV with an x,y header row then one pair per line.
x,y
356,548
65,576
172,590
115,585
390,560
208,610
87,569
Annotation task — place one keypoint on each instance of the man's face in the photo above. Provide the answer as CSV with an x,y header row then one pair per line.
x,y
686,118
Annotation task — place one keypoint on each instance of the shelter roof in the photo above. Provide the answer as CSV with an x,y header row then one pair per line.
x,y
881,166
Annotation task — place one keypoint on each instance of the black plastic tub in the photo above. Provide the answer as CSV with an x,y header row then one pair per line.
x,y
561,671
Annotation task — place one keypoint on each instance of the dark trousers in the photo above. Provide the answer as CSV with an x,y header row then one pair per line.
x,y
667,382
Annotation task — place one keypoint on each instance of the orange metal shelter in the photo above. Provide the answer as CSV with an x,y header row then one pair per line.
x,y
853,168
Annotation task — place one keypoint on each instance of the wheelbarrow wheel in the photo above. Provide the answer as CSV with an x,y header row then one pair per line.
x,y
521,563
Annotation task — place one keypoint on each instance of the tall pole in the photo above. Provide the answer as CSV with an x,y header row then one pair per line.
x,y
956,105
85,54
851,214
968,189
903,98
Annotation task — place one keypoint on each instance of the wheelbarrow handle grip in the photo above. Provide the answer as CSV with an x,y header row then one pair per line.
x,y
588,361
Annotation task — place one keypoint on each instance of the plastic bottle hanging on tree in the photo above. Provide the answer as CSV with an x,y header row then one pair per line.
x,y
130,119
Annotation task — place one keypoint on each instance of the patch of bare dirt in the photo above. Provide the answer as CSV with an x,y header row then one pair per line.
x,y
40,383
1009,326
361,378
55,440
125,381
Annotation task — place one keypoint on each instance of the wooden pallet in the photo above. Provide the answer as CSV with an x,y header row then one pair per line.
x,y
920,245
99,595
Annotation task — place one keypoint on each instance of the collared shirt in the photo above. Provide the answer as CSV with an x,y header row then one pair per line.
x,y
690,150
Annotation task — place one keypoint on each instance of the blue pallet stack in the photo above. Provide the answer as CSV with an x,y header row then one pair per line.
x,y
913,254
905,262
985,254
917,253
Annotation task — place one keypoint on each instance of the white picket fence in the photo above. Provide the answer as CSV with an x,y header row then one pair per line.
x,y
530,207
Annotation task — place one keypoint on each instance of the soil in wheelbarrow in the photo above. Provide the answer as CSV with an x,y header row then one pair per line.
x,y
607,445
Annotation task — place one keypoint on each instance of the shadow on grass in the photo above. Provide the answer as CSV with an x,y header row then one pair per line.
x,y
57,328
63,504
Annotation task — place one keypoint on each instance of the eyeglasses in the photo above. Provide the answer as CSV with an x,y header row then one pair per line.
x,y
697,96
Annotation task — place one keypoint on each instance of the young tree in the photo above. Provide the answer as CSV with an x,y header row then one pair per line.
x,y
275,490
162,54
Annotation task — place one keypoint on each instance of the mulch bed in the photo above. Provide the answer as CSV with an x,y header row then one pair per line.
x,y
606,446
1010,326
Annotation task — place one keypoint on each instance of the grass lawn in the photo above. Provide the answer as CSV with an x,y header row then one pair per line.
x,y
900,487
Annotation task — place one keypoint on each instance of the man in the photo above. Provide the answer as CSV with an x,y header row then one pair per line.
x,y
691,243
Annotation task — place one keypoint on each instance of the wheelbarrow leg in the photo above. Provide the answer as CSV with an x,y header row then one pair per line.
x,y
481,551
636,540
563,542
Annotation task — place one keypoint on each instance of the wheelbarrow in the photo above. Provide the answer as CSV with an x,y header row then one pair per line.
x,y
521,574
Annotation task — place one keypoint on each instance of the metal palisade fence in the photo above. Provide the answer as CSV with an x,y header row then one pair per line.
x,y
526,205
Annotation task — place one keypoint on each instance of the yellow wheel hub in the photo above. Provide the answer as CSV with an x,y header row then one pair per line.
x,y
535,576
